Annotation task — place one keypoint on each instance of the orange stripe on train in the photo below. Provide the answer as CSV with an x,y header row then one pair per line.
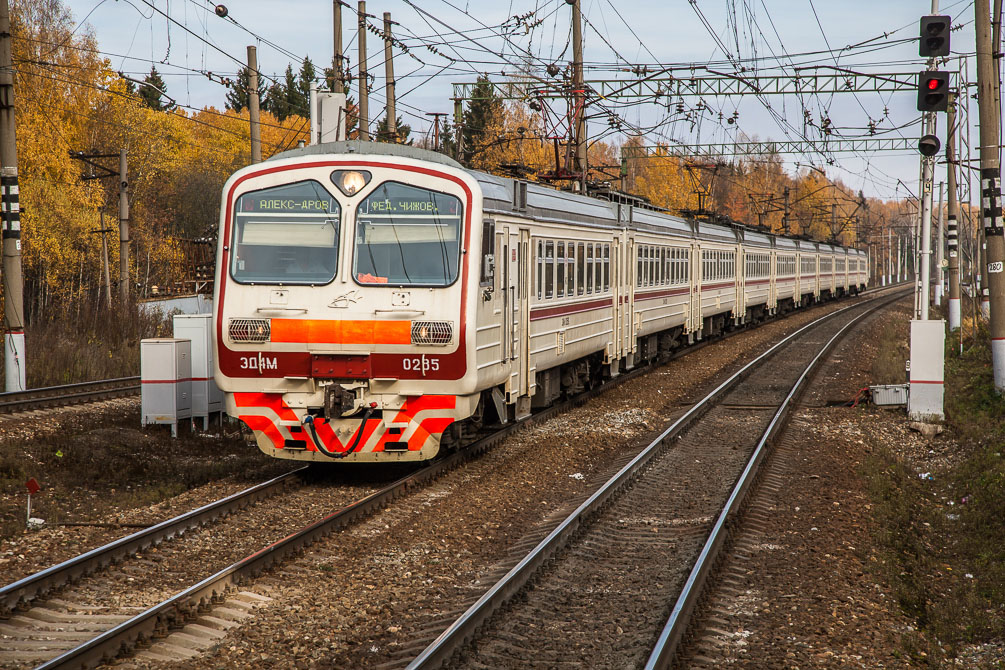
x,y
330,331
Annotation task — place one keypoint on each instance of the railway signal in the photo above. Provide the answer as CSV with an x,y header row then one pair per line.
x,y
933,91
934,36
929,145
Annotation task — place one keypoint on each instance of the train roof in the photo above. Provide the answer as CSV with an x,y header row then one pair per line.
x,y
371,148
504,195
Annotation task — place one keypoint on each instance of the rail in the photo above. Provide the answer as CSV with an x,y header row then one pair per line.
x,y
464,628
68,394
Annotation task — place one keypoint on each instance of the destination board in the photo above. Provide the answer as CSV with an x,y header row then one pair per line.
x,y
297,205
307,197
391,200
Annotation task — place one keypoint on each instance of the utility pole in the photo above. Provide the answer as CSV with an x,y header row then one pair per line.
x,y
337,83
10,211
124,228
834,215
436,128
952,235
256,129
579,94
923,281
939,274
392,118
363,126
900,267
104,259
888,278
459,128
785,215
987,75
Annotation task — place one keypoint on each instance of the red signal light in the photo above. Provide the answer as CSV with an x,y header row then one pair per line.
x,y
933,84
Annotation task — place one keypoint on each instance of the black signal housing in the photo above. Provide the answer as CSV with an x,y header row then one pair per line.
x,y
933,91
934,36
929,145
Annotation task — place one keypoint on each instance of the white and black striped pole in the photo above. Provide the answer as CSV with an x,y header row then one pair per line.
x,y
10,212
991,206
952,234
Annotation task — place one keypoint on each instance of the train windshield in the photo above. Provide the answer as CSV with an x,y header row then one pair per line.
x,y
286,235
407,236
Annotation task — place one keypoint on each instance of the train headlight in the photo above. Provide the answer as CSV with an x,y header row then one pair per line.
x,y
350,181
432,332
250,330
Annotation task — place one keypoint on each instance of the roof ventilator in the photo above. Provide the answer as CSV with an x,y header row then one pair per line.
x,y
520,196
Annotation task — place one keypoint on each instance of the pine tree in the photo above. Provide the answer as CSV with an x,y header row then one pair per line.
x,y
401,136
484,109
274,101
237,96
300,95
448,139
153,89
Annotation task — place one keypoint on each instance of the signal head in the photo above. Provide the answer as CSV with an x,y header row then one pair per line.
x,y
934,36
933,91
929,145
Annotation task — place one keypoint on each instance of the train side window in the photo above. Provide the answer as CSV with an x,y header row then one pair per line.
x,y
607,267
598,270
581,268
560,270
638,271
589,268
488,255
541,268
549,269
570,271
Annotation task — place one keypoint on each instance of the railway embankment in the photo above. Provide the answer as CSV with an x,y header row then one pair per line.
x,y
938,506
883,549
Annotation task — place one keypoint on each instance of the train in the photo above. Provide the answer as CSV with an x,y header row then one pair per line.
x,y
380,303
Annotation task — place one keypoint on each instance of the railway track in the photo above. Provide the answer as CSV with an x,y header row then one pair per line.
x,y
69,394
113,634
598,564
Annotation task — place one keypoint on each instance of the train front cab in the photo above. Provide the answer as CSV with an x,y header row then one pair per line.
x,y
342,298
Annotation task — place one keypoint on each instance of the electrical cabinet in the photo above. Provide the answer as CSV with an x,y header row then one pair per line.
x,y
207,398
166,381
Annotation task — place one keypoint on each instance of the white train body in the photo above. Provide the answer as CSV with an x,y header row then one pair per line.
x,y
370,297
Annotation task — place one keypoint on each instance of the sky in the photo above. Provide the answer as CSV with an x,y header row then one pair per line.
x,y
468,37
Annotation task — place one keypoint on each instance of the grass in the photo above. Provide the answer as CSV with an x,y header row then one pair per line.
x,y
68,347
942,539
889,365
92,469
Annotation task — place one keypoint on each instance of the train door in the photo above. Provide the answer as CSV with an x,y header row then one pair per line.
x,y
631,273
797,294
696,267
740,273
523,307
772,290
613,270
512,282
503,268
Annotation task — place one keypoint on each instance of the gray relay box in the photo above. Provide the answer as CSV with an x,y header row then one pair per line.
x,y
166,381
889,394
